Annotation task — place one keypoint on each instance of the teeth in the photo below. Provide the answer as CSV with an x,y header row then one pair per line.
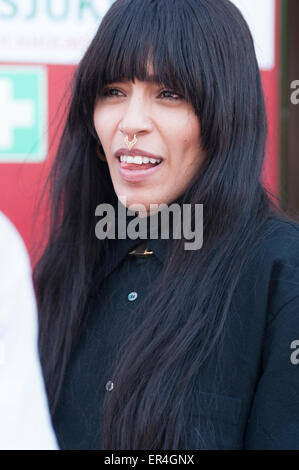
x,y
138,159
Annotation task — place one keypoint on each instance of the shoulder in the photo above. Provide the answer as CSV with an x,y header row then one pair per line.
x,y
270,280
279,241
276,246
276,263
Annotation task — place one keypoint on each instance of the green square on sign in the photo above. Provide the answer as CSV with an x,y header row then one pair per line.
x,y
23,114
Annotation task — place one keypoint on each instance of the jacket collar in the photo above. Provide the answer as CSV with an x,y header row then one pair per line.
x,y
120,248
115,250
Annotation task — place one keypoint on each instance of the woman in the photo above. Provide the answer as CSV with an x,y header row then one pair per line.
x,y
177,349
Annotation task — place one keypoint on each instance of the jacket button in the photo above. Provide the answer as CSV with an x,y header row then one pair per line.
x,y
109,386
132,296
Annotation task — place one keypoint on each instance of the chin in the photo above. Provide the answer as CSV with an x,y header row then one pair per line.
x,y
138,205
141,209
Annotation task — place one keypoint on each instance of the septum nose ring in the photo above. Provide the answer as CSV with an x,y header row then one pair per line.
x,y
130,143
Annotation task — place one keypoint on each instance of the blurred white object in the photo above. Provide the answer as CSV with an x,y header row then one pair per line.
x,y
25,422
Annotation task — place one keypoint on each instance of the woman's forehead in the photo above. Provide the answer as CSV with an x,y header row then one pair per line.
x,y
147,75
151,80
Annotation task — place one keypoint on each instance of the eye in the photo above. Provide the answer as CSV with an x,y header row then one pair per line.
x,y
173,96
110,92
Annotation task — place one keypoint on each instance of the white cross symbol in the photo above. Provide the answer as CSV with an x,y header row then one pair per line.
x,y
13,114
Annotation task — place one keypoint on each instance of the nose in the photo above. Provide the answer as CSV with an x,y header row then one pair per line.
x,y
136,117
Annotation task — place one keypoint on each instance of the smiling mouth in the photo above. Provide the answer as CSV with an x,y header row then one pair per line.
x,y
138,166
136,173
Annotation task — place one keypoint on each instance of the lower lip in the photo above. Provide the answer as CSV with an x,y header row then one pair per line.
x,y
134,176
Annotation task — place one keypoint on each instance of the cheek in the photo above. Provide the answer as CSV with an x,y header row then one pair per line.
x,y
99,124
192,133
193,148
190,139
185,131
102,119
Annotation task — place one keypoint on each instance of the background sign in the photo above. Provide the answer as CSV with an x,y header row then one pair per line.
x,y
48,31
23,115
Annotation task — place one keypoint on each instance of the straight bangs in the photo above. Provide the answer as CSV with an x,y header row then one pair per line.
x,y
150,45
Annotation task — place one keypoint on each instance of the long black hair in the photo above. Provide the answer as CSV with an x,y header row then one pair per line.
x,y
202,49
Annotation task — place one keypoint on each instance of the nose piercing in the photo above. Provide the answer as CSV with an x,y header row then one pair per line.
x,y
130,143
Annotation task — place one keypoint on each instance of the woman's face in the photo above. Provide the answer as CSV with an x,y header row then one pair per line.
x,y
165,126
